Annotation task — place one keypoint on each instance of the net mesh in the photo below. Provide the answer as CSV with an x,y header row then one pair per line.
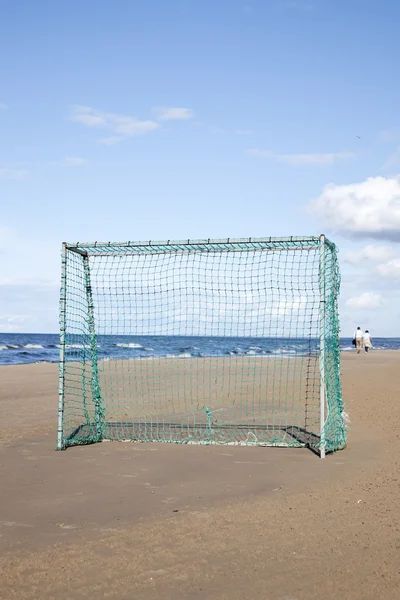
x,y
201,342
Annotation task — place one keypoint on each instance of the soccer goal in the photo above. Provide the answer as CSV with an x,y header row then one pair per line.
x,y
231,341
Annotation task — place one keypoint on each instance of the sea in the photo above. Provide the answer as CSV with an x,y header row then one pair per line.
x,y
24,348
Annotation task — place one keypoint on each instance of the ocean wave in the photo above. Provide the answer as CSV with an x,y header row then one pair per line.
x,y
187,348
85,346
250,352
130,345
33,347
20,346
183,355
352,348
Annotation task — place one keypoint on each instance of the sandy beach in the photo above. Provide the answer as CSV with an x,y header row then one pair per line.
x,y
161,521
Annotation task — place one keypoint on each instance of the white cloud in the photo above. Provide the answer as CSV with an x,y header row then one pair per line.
x,y
74,161
370,208
303,160
365,300
369,253
122,126
174,114
390,269
3,106
10,173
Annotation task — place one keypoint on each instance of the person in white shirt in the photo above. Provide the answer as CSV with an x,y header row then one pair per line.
x,y
367,340
358,336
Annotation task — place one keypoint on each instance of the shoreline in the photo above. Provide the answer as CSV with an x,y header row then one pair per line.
x,y
343,353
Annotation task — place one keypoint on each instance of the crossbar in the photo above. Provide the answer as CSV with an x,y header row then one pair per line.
x,y
203,245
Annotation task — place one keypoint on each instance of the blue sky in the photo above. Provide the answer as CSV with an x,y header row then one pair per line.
x,y
169,120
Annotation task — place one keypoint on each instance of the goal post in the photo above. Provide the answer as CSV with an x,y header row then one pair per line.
x,y
232,341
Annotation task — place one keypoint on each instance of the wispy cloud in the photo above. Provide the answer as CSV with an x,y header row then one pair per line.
x,y
299,4
10,173
370,253
390,269
10,323
393,159
3,106
303,160
109,141
73,161
390,135
121,126
174,114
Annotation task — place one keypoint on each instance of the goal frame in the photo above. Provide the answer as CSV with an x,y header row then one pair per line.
x,y
87,249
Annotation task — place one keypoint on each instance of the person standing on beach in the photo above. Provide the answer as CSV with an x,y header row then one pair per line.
x,y
358,336
367,340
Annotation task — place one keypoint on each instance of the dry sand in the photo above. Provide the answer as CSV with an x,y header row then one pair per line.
x,y
154,521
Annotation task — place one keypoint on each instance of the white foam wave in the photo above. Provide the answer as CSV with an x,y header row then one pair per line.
x,y
252,352
183,355
130,345
33,346
3,347
86,346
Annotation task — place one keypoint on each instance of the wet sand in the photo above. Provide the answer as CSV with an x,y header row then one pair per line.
x,y
149,521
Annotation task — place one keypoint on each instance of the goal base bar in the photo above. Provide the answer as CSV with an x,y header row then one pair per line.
x,y
199,434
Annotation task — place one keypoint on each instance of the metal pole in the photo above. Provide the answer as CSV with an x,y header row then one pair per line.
x,y
322,342
61,366
97,400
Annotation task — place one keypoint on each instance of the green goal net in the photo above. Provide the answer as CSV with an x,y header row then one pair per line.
x,y
230,341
